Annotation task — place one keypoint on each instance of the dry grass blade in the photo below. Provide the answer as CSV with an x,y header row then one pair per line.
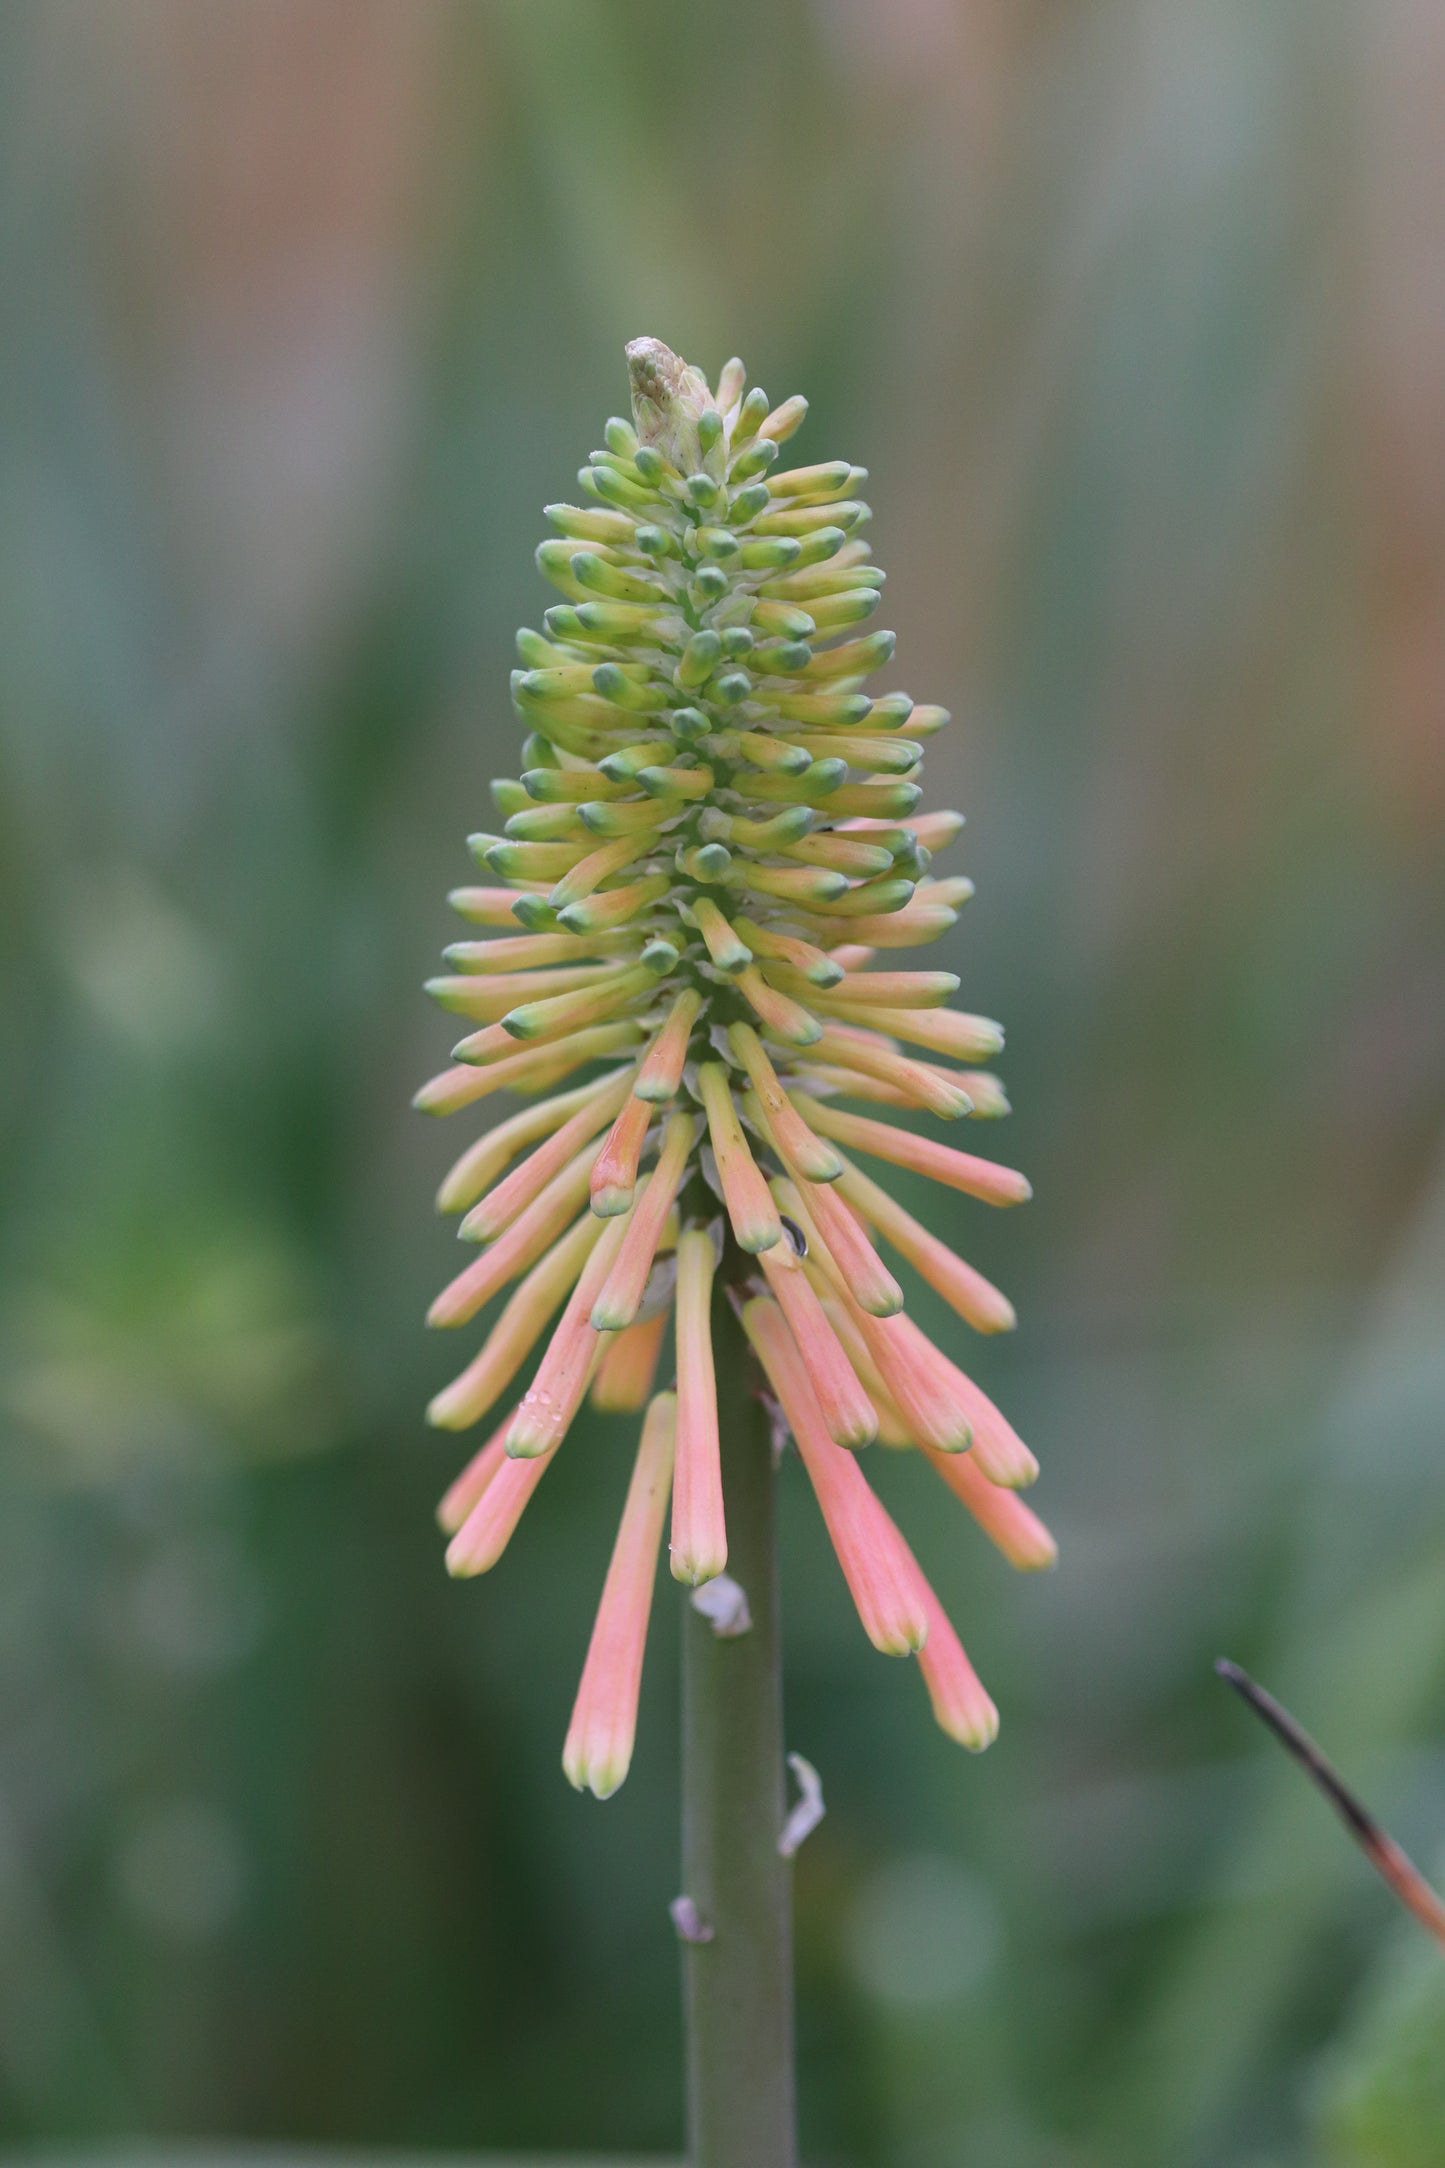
x,y
1384,1855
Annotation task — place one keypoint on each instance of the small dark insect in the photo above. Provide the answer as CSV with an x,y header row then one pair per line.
x,y
1384,1855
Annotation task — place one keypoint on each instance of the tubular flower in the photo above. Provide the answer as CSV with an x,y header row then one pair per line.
x,y
715,833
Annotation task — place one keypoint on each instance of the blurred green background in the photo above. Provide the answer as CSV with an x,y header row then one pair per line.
x,y
1135,309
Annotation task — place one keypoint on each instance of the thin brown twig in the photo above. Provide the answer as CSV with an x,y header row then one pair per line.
x,y
1384,1855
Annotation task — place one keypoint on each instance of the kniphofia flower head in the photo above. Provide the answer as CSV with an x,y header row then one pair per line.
x,y
687,974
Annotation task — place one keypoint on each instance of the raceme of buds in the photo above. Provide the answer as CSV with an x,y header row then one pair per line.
x,y
687,975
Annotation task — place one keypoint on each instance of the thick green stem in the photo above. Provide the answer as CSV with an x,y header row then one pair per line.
x,y
739,1982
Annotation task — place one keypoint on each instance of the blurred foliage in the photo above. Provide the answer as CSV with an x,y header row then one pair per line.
x,y
1136,312
1383,2096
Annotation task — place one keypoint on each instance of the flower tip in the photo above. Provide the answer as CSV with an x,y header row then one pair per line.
x,y
977,1730
858,1434
460,1562
692,1568
611,1199
901,1634
601,1776
885,1300
527,1440
962,1706
957,1439
1014,1470
535,913
822,1165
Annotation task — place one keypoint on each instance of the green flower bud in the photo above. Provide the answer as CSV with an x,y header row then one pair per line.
x,y
761,454
656,541
782,620
717,543
879,756
823,709
785,420
805,519
748,503
832,476
853,657
770,553
607,579
612,488
707,861
676,782
543,823
622,765
833,612
782,658
617,684
620,620
535,913
752,412
591,524
877,801
771,754
818,546
533,650
699,658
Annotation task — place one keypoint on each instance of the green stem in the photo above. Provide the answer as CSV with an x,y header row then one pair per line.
x,y
738,1984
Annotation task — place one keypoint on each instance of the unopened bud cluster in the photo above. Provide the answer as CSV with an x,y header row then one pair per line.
x,y
715,831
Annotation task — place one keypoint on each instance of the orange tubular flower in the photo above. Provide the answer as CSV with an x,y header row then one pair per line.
x,y
715,831
604,1721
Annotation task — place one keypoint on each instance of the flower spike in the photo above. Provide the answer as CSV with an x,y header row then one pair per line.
x,y
685,964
